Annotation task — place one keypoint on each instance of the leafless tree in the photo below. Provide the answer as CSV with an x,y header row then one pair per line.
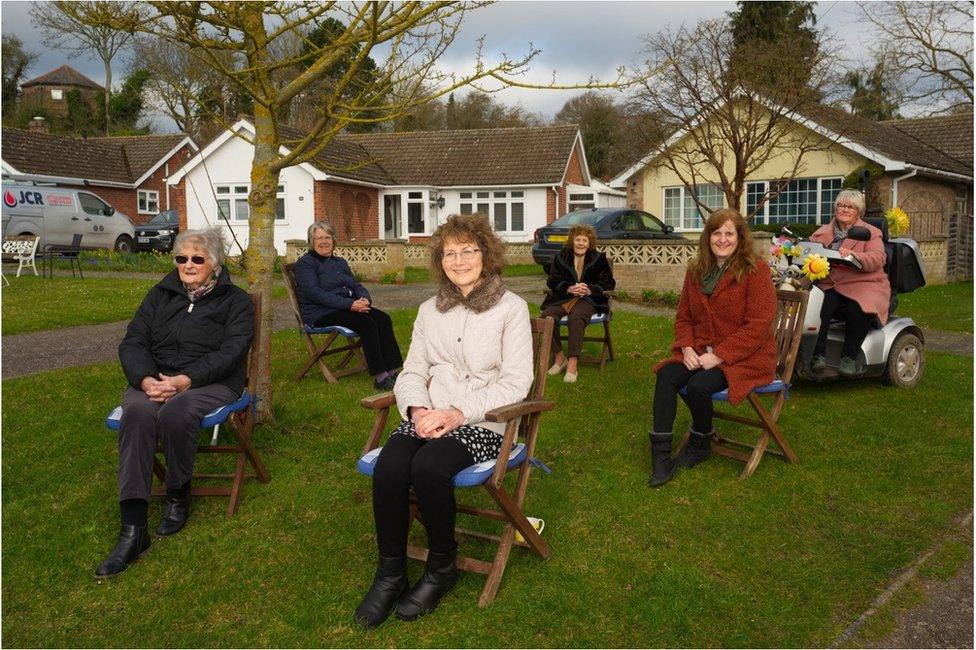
x,y
727,128
85,28
930,46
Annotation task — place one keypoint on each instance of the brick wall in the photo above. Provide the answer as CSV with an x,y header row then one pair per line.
x,y
635,191
352,210
40,96
157,182
177,201
959,254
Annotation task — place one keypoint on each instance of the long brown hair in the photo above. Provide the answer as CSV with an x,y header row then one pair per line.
x,y
743,259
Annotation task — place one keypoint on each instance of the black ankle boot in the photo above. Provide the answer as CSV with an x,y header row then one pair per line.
x,y
439,578
662,465
175,513
389,585
133,542
699,448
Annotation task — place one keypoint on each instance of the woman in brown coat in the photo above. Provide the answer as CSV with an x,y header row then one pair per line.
x,y
863,295
722,339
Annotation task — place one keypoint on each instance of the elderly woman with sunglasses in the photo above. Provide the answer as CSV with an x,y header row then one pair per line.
x,y
471,352
861,296
183,356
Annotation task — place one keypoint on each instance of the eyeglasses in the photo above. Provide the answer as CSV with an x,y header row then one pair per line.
x,y
465,255
847,206
196,259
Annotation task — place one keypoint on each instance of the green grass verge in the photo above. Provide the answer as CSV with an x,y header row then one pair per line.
x,y
786,558
941,306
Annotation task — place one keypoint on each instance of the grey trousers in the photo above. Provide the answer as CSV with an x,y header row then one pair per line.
x,y
175,423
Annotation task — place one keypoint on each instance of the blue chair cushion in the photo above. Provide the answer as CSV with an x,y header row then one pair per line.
x,y
213,418
775,386
343,331
467,477
594,319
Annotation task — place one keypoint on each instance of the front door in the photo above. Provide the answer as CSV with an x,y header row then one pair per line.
x,y
392,228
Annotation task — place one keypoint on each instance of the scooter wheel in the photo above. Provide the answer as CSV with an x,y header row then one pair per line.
x,y
905,361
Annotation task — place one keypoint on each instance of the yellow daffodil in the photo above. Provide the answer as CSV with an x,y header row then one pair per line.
x,y
898,221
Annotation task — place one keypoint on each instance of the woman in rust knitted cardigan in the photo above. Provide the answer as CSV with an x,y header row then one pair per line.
x,y
722,339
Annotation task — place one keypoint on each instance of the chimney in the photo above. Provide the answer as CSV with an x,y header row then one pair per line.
x,y
37,125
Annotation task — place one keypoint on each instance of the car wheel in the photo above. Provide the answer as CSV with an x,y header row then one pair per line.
x,y
123,244
905,361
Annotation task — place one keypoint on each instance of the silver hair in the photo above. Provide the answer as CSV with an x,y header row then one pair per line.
x,y
211,240
855,198
324,226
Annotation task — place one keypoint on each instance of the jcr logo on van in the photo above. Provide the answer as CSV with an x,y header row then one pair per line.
x,y
30,198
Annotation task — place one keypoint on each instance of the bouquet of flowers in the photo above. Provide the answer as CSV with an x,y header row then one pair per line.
x,y
790,264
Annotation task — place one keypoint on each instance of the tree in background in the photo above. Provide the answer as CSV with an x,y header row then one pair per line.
x,y
84,28
764,29
126,105
412,37
16,61
729,129
872,95
929,46
479,110
601,125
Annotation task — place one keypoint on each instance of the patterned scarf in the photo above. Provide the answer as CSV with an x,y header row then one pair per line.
x,y
482,298
839,236
195,294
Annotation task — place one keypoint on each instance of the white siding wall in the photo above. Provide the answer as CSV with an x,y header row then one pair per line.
x,y
231,165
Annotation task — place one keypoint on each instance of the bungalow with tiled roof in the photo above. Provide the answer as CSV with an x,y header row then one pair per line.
x,y
400,185
926,165
127,172
50,89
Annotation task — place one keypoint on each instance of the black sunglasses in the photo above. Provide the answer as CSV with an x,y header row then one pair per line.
x,y
196,259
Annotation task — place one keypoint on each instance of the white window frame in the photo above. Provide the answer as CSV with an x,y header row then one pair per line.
x,y
684,199
424,216
581,201
471,200
232,195
763,215
57,94
147,198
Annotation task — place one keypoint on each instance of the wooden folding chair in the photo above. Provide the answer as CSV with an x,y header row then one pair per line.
x,y
791,306
522,419
240,414
606,349
317,354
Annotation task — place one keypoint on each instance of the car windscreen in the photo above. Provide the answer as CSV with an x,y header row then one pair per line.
x,y
162,219
587,217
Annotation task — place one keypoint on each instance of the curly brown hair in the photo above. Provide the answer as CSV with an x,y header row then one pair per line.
x,y
581,229
467,228
744,258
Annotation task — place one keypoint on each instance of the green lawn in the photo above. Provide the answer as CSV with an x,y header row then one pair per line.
x,y
787,558
942,306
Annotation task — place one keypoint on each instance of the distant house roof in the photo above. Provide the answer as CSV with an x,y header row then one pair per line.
x,y
952,134
527,155
466,158
114,160
63,76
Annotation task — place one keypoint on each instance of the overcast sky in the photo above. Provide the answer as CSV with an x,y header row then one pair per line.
x,y
577,39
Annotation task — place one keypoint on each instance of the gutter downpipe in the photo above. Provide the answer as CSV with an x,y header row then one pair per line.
x,y
166,171
894,186
556,192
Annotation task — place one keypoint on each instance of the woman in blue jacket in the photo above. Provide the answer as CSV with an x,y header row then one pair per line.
x,y
329,294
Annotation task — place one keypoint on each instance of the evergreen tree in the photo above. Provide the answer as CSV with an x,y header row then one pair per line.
x,y
785,30
871,95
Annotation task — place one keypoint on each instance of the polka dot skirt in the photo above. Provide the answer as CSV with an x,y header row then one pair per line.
x,y
484,444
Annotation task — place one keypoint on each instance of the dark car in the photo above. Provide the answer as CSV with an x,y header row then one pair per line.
x,y
158,233
609,223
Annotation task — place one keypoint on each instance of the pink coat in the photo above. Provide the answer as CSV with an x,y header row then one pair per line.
x,y
869,287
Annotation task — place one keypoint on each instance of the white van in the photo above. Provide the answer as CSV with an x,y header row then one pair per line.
x,y
56,214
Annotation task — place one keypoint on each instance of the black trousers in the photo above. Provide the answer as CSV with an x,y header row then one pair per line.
x,y
701,384
429,466
174,423
858,324
375,330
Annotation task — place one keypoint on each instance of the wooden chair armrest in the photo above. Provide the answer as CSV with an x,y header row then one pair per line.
x,y
380,401
517,410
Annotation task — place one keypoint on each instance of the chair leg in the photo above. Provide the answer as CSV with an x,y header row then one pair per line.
x,y
772,427
243,432
498,565
235,490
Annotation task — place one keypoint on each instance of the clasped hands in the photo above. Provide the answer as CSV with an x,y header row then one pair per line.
x,y
360,305
167,386
695,361
434,423
579,289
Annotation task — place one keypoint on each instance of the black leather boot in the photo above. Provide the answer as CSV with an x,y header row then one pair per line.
x,y
699,448
133,542
439,578
389,585
663,466
175,513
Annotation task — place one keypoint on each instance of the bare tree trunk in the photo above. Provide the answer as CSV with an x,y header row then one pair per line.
x,y
261,254
108,93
